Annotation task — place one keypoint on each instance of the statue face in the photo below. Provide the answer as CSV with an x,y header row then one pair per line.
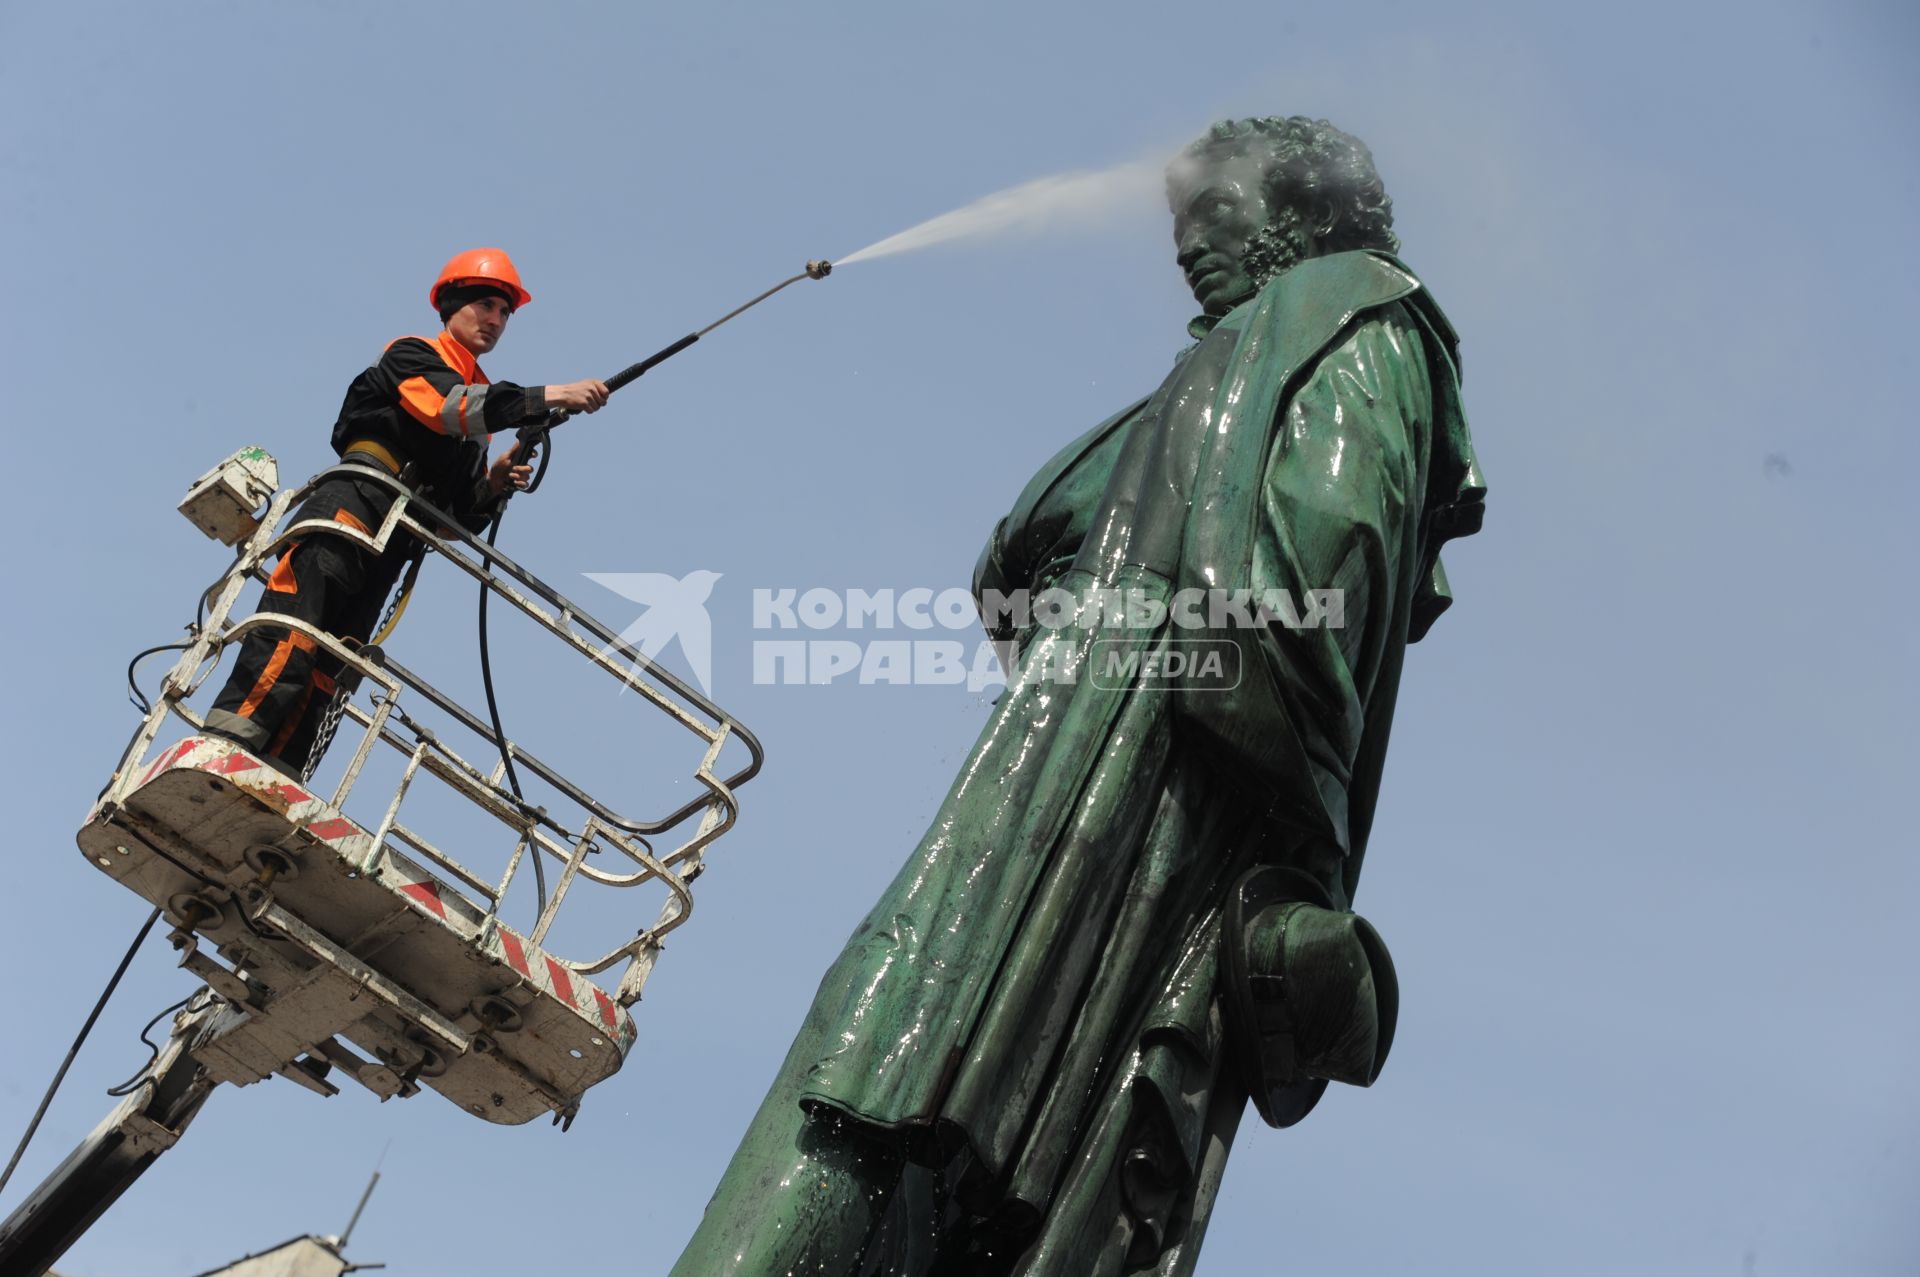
x,y
1221,209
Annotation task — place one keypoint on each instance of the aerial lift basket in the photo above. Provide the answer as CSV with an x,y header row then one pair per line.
x,y
338,938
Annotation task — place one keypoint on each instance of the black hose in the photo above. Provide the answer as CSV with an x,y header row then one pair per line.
x,y
132,1084
493,705
527,445
134,694
61,1075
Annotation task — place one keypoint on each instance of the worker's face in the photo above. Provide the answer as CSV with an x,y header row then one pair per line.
x,y
478,324
1218,209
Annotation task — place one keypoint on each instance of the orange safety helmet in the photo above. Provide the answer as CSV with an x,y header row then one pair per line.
x,y
480,266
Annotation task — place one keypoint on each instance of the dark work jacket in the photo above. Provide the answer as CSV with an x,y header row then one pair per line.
x,y
427,402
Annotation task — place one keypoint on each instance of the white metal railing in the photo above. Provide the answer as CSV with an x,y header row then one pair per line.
x,y
569,837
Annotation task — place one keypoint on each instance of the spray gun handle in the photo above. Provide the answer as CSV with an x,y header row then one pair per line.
x,y
528,438
526,443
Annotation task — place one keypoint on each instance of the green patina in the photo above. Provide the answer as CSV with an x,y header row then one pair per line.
x,y
1033,1054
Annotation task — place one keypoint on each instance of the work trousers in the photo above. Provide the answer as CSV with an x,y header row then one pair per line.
x,y
281,684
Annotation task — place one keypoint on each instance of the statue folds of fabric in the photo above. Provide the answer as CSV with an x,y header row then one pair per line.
x,y
1130,915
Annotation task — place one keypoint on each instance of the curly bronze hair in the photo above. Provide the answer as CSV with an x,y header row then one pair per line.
x,y
1307,161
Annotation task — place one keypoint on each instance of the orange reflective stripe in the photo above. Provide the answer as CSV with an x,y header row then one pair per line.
x,y
466,412
423,402
427,405
285,734
282,582
275,664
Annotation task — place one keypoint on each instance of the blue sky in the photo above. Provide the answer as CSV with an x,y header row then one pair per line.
x,y
1644,855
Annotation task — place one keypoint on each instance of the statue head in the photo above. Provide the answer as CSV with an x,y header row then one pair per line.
x,y
1254,197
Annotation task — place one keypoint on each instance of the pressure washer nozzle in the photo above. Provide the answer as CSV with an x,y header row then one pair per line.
x,y
820,269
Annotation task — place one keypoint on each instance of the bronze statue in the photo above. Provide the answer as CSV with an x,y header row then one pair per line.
x,y
1131,913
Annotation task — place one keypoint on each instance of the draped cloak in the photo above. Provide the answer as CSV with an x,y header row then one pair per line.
x,y
1029,1012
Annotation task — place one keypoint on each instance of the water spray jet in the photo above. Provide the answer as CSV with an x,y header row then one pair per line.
x,y
1069,197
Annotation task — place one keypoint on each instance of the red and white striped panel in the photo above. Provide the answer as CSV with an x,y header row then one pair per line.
x,y
429,895
425,893
216,757
223,758
588,1000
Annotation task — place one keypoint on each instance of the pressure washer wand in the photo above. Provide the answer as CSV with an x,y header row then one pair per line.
x,y
529,438
528,442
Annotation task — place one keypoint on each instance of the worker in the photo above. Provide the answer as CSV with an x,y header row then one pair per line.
x,y
422,414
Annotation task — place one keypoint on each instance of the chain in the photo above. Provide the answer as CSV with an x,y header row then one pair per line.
x,y
344,686
323,735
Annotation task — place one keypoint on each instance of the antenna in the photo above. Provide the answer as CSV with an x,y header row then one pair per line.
x,y
340,1247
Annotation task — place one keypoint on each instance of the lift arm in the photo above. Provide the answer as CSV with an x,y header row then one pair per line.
x,y
146,1124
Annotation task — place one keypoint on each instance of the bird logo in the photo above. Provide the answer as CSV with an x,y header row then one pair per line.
x,y
672,608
